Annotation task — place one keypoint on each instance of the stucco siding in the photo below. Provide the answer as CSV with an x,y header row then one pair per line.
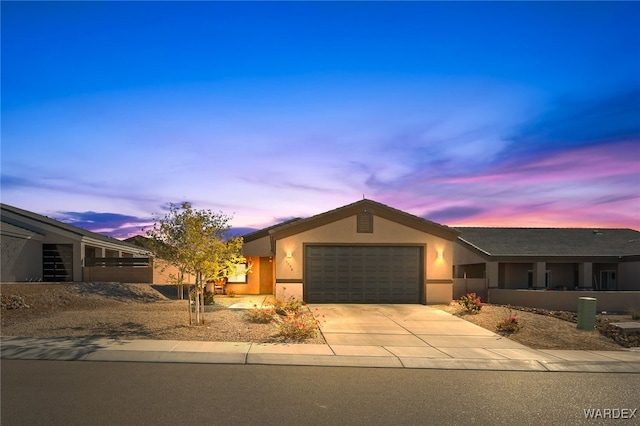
x,y
260,247
514,275
463,255
21,259
610,301
563,275
290,253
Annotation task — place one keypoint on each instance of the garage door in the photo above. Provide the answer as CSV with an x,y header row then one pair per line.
x,y
363,274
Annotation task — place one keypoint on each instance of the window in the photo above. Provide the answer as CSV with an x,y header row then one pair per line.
x,y
365,222
240,276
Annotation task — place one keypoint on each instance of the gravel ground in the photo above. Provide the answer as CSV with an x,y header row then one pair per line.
x,y
540,331
142,311
125,311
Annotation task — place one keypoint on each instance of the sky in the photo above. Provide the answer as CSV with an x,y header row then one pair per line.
x,y
519,114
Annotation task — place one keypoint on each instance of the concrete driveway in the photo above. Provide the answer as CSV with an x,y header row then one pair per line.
x,y
409,331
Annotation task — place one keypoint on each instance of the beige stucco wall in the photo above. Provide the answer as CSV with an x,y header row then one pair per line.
x,y
120,274
562,275
259,247
439,293
513,275
163,273
610,301
288,291
289,256
465,256
21,258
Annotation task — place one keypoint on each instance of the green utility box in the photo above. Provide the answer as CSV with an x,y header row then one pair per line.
x,y
587,313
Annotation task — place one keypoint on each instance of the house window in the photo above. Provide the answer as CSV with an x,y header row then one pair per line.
x,y
240,275
365,222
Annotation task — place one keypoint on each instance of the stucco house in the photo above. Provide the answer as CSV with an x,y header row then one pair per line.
x,y
38,248
551,268
365,252
601,259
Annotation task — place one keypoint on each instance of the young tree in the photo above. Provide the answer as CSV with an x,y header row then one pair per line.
x,y
195,241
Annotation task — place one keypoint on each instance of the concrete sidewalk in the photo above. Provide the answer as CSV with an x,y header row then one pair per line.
x,y
395,336
434,357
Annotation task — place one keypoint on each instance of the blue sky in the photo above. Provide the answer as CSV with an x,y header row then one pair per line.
x,y
485,114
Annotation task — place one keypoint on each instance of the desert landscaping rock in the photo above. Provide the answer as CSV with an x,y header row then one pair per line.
x,y
142,311
125,311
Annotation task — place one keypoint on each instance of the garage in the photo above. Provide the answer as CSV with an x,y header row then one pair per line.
x,y
363,274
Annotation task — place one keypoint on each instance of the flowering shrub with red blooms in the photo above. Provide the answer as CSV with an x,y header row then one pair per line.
x,y
296,325
509,325
291,305
261,316
471,303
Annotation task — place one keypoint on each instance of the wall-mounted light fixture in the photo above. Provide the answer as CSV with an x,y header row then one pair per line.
x,y
440,254
289,260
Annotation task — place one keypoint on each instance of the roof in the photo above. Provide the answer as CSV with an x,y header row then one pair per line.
x,y
255,235
552,241
34,217
296,226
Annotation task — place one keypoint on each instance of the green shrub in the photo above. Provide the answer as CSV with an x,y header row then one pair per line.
x,y
471,303
208,298
635,314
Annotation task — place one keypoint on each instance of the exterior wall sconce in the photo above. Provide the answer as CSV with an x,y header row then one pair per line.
x,y
289,260
440,254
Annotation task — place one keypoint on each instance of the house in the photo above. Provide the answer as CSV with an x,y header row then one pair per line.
x,y
548,258
594,261
365,252
38,248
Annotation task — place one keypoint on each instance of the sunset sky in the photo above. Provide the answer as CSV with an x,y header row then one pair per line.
x,y
476,114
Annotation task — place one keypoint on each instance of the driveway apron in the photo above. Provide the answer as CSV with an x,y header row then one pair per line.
x,y
407,331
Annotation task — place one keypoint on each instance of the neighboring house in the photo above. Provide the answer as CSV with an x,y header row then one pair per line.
x,y
365,252
163,272
550,258
38,248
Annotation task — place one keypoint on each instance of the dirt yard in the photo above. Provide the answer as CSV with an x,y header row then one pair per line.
x,y
141,311
542,329
125,311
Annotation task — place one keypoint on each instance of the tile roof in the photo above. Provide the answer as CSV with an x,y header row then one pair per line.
x,y
552,241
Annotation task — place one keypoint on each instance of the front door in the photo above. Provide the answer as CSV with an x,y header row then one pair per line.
x,y
266,275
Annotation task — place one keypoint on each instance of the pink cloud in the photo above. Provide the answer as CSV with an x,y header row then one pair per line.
x,y
586,163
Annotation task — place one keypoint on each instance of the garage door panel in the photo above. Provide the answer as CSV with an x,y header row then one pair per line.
x,y
363,274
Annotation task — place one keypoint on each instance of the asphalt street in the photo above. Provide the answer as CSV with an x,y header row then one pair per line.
x,y
123,393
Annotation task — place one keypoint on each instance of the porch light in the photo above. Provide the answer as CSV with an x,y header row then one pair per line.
x,y
289,256
440,254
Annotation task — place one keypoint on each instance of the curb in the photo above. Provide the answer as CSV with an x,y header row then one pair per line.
x,y
108,350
